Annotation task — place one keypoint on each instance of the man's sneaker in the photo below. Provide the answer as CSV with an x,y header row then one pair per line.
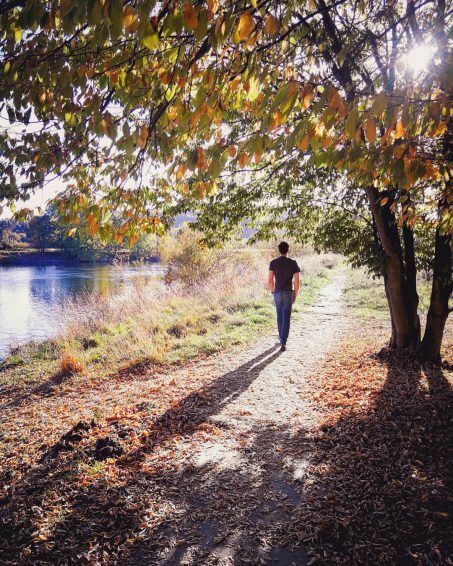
x,y
283,348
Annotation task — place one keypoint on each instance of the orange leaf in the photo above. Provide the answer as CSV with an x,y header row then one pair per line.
x,y
370,130
307,95
201,162
245,26
243,160
276,120
271,25
398,151
181,170
231,151
130,19
303,144
190,16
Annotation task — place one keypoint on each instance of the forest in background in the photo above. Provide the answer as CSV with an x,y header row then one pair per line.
x,y
43,233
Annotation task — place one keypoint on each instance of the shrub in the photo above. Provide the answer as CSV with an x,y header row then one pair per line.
x,y
187,258
69,365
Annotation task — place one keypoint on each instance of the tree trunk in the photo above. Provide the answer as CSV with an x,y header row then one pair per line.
x,y
400,291
441,290
411,283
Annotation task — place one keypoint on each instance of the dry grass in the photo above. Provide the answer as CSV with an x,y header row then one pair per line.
x,y
69,365
163,324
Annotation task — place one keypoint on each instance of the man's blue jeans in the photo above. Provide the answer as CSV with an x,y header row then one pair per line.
x,y
283,303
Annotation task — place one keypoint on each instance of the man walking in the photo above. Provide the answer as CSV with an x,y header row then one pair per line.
x,y
281,272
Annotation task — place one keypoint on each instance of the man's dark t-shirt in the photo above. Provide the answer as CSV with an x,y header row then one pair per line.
x,y
284,268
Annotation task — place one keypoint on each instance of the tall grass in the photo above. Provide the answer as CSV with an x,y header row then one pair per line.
x,y
167,320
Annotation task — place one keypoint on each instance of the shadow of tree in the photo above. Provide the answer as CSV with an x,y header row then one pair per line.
x,y
59,471
46,389
383,478
373,488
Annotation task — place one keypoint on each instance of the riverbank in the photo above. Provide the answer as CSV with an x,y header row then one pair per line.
x,y
25,256
157,324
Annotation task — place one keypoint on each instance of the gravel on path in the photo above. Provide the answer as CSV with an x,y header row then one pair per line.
x,y
236,489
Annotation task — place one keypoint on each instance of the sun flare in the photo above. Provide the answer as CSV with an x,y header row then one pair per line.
x,y
418,58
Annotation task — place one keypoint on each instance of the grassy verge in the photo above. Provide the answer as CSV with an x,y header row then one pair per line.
x,y
160,325
366,296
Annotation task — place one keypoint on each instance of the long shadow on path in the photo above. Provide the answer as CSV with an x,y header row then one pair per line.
x,y
103,516
376,488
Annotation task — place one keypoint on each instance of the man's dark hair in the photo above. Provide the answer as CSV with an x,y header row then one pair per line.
x,y
283,247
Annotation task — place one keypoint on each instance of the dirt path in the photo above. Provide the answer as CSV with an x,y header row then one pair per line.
x,y
236,488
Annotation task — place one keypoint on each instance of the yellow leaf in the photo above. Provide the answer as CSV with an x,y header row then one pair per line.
x,y
253,38
370,130
438,130
130,19
181,170
254,88
271,25
105,123
190,16
243,160
400,130
210,78
386,135
245,27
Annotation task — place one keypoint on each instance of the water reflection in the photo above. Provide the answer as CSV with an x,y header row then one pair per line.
x,y
30,295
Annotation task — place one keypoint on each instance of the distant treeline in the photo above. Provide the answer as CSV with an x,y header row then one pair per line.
x,y
43,232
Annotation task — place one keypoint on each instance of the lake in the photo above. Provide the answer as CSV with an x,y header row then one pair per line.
x,y
30,296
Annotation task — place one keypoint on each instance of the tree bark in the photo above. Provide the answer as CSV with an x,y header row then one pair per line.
x,y
411,283
401,294
442,287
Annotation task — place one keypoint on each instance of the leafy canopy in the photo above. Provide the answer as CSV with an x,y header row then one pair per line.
x,y
140,105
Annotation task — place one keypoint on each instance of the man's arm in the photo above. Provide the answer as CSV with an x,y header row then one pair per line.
x,y
271,281
296,285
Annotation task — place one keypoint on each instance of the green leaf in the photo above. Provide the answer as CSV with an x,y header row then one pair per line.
x,y
202,26
151,41
216,168
351,124
379,105
280,96
116,18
